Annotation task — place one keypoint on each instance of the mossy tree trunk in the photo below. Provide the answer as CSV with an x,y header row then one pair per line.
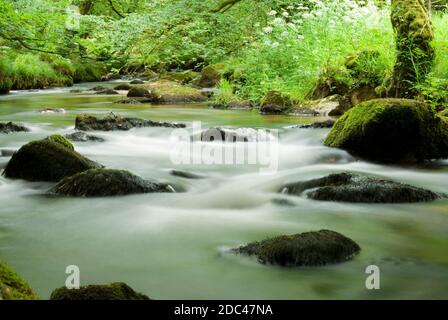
x,y
415,56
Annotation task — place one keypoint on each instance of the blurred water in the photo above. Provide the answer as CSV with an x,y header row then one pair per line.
x,y
173,245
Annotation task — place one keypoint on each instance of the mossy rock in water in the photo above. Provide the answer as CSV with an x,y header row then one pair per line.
x,y
57,138
46,160
116,122
10,127
170,92
315,248
107,182
123,87
138,92
276,102
346,187
210,76
391,130
113,291
13,287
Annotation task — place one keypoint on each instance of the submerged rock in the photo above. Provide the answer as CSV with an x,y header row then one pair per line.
x,y
123,87
116,122
7,152
107,182
391,130
128,101
52,110
234,135
276,103
137,81
113,291
46,160
315,248
98,88
185,174
319,125
107,91
83,137
346,187
13,287
10,127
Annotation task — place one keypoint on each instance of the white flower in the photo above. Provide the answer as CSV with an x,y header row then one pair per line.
x,y
285,34
272,13
285,14
267,29
277,21
275,44
300,37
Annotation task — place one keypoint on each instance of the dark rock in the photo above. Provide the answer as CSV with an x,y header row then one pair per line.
x,y
106,182
10,127
110,76
305,249
124,87
107,91
57,138
98,88
7,152
116,122
185,174
83,137
283,202
391,131
137,81
319,125
76,91
276,103
113,291
46,160
138,92
346,187
233,135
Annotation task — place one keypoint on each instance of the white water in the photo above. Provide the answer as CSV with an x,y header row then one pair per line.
x,y
173,245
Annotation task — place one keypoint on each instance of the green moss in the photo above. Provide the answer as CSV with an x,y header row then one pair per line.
x,y
166,91
61,140
13,287
88,71
183,77
391,130
415,54
276,102
210,76
114,291
443,113
46,160
304,249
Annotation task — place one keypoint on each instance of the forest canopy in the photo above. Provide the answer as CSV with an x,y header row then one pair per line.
x,y
263,45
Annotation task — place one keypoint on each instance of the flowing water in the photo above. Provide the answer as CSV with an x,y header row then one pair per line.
x,y
173,246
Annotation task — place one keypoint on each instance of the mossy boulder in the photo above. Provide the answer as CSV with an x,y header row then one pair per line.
x,y
346,187
13,287
171,92
57,138
116,122
113,291
210,76
315,248
276,102
107,92
137,81
391,130
46,160
9,127
123,87
106,182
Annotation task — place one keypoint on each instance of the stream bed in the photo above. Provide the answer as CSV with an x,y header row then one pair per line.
x,y
173,246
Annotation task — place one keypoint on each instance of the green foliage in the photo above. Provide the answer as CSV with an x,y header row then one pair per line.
x,y
225,94
12,287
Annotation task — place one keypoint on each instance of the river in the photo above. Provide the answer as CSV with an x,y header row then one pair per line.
x,y
173,246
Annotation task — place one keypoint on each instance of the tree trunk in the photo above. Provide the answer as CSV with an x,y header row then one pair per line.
x,y
415,55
